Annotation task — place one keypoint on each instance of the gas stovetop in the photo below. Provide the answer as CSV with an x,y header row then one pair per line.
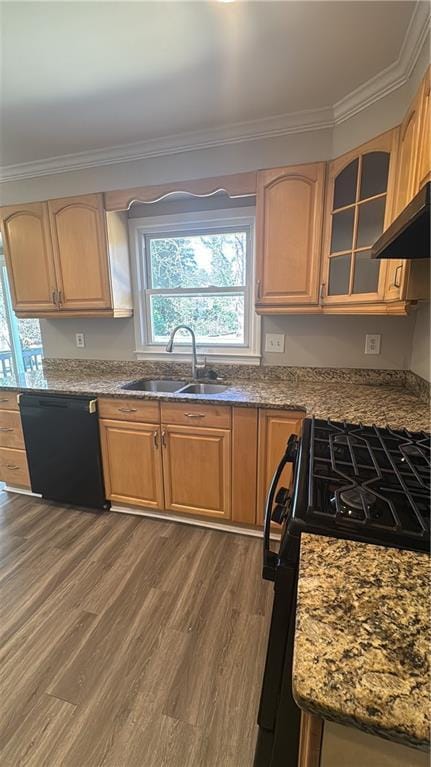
x,y
365,482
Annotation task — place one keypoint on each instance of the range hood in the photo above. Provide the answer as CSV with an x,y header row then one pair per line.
x,y
409,235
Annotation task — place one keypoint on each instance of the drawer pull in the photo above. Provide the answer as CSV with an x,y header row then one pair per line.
x,y
5,428
128,409
195,415
4,399
11,467
163,438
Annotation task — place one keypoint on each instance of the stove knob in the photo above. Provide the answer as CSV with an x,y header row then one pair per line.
x,y
282,501
292,448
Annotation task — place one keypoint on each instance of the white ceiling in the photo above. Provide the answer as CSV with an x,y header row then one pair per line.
x,y
80,76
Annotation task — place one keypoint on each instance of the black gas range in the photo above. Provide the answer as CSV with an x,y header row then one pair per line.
x,y
363,483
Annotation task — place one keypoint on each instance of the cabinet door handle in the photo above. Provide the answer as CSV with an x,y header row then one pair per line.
x,y
195,415
60,299
156,439
322,291
128,409
11,467
4,399
163,438
54,298
258,290
5,428
398,271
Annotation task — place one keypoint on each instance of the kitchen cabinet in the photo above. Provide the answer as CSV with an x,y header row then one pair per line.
x,y
132,463
67,258
358,208
423,173
326,744
79,247
275,428
13,456
29,259
197,470
289,211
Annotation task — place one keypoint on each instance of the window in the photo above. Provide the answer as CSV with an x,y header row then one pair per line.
x,y
20,340
197,271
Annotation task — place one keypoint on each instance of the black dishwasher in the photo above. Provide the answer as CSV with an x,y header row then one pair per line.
x,y
61,436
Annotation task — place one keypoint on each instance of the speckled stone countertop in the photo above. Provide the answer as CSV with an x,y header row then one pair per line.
x,y
323,396
362,643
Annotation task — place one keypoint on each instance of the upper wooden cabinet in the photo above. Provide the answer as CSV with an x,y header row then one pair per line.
x,y
358,208
289,210
408,156
79,245
28,254
424,154
67,258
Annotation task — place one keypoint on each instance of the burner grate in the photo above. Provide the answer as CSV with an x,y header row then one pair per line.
x,y
370,479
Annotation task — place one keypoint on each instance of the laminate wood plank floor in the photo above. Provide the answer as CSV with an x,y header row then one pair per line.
x,y
127,641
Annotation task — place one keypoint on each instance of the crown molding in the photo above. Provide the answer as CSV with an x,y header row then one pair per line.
x,y
379,86
394,76
267,127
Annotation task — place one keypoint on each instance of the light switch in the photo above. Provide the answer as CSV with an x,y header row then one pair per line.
x,y
80,340
274,342
372,343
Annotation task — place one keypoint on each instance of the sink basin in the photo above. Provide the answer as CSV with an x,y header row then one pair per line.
x,y
161,386
203,388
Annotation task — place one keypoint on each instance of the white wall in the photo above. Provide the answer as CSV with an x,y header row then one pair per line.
x,y
420,351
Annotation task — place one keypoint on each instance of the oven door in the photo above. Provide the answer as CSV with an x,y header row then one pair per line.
x,y
279,716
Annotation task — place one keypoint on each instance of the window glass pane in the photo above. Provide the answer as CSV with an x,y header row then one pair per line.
x,y
342,230
214,319
370,223
31,344
339,275
198,260
6,363
366,279
374,177
345,185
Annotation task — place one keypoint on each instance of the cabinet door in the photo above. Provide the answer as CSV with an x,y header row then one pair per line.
x,y
80,252
358,208
29,258
408,156
289,209
197,470
275,428
132,463
424,152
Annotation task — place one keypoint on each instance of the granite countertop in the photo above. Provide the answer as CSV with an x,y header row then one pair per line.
x,y
379,404
362,655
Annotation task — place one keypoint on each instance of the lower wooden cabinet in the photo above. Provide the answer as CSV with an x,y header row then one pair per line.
x,y
132,463
13,457
197,470
275,428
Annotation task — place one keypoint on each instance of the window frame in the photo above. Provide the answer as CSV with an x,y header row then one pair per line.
x,y
140,229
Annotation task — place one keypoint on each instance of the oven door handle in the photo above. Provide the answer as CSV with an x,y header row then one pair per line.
x,y
270,558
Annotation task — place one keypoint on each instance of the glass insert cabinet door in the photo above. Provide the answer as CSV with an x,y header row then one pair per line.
x,y
359,208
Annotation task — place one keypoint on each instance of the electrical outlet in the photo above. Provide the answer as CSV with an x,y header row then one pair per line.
x,y
372,343
80,340
274,342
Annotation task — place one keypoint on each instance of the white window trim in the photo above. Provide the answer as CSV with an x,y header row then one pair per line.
x,y
241,217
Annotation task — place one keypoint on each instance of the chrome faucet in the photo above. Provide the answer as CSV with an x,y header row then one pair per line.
x,y
197,368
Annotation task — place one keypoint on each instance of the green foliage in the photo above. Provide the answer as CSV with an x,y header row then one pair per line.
x,y
195,262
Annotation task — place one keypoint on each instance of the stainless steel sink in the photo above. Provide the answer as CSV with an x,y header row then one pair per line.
x,y
203,388
155,386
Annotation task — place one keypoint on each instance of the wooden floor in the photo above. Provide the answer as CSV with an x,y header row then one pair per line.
x,y
127,641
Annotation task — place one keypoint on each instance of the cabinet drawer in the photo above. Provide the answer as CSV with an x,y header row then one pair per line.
x,y
10,429
194,414
13,467
129,410
8,400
